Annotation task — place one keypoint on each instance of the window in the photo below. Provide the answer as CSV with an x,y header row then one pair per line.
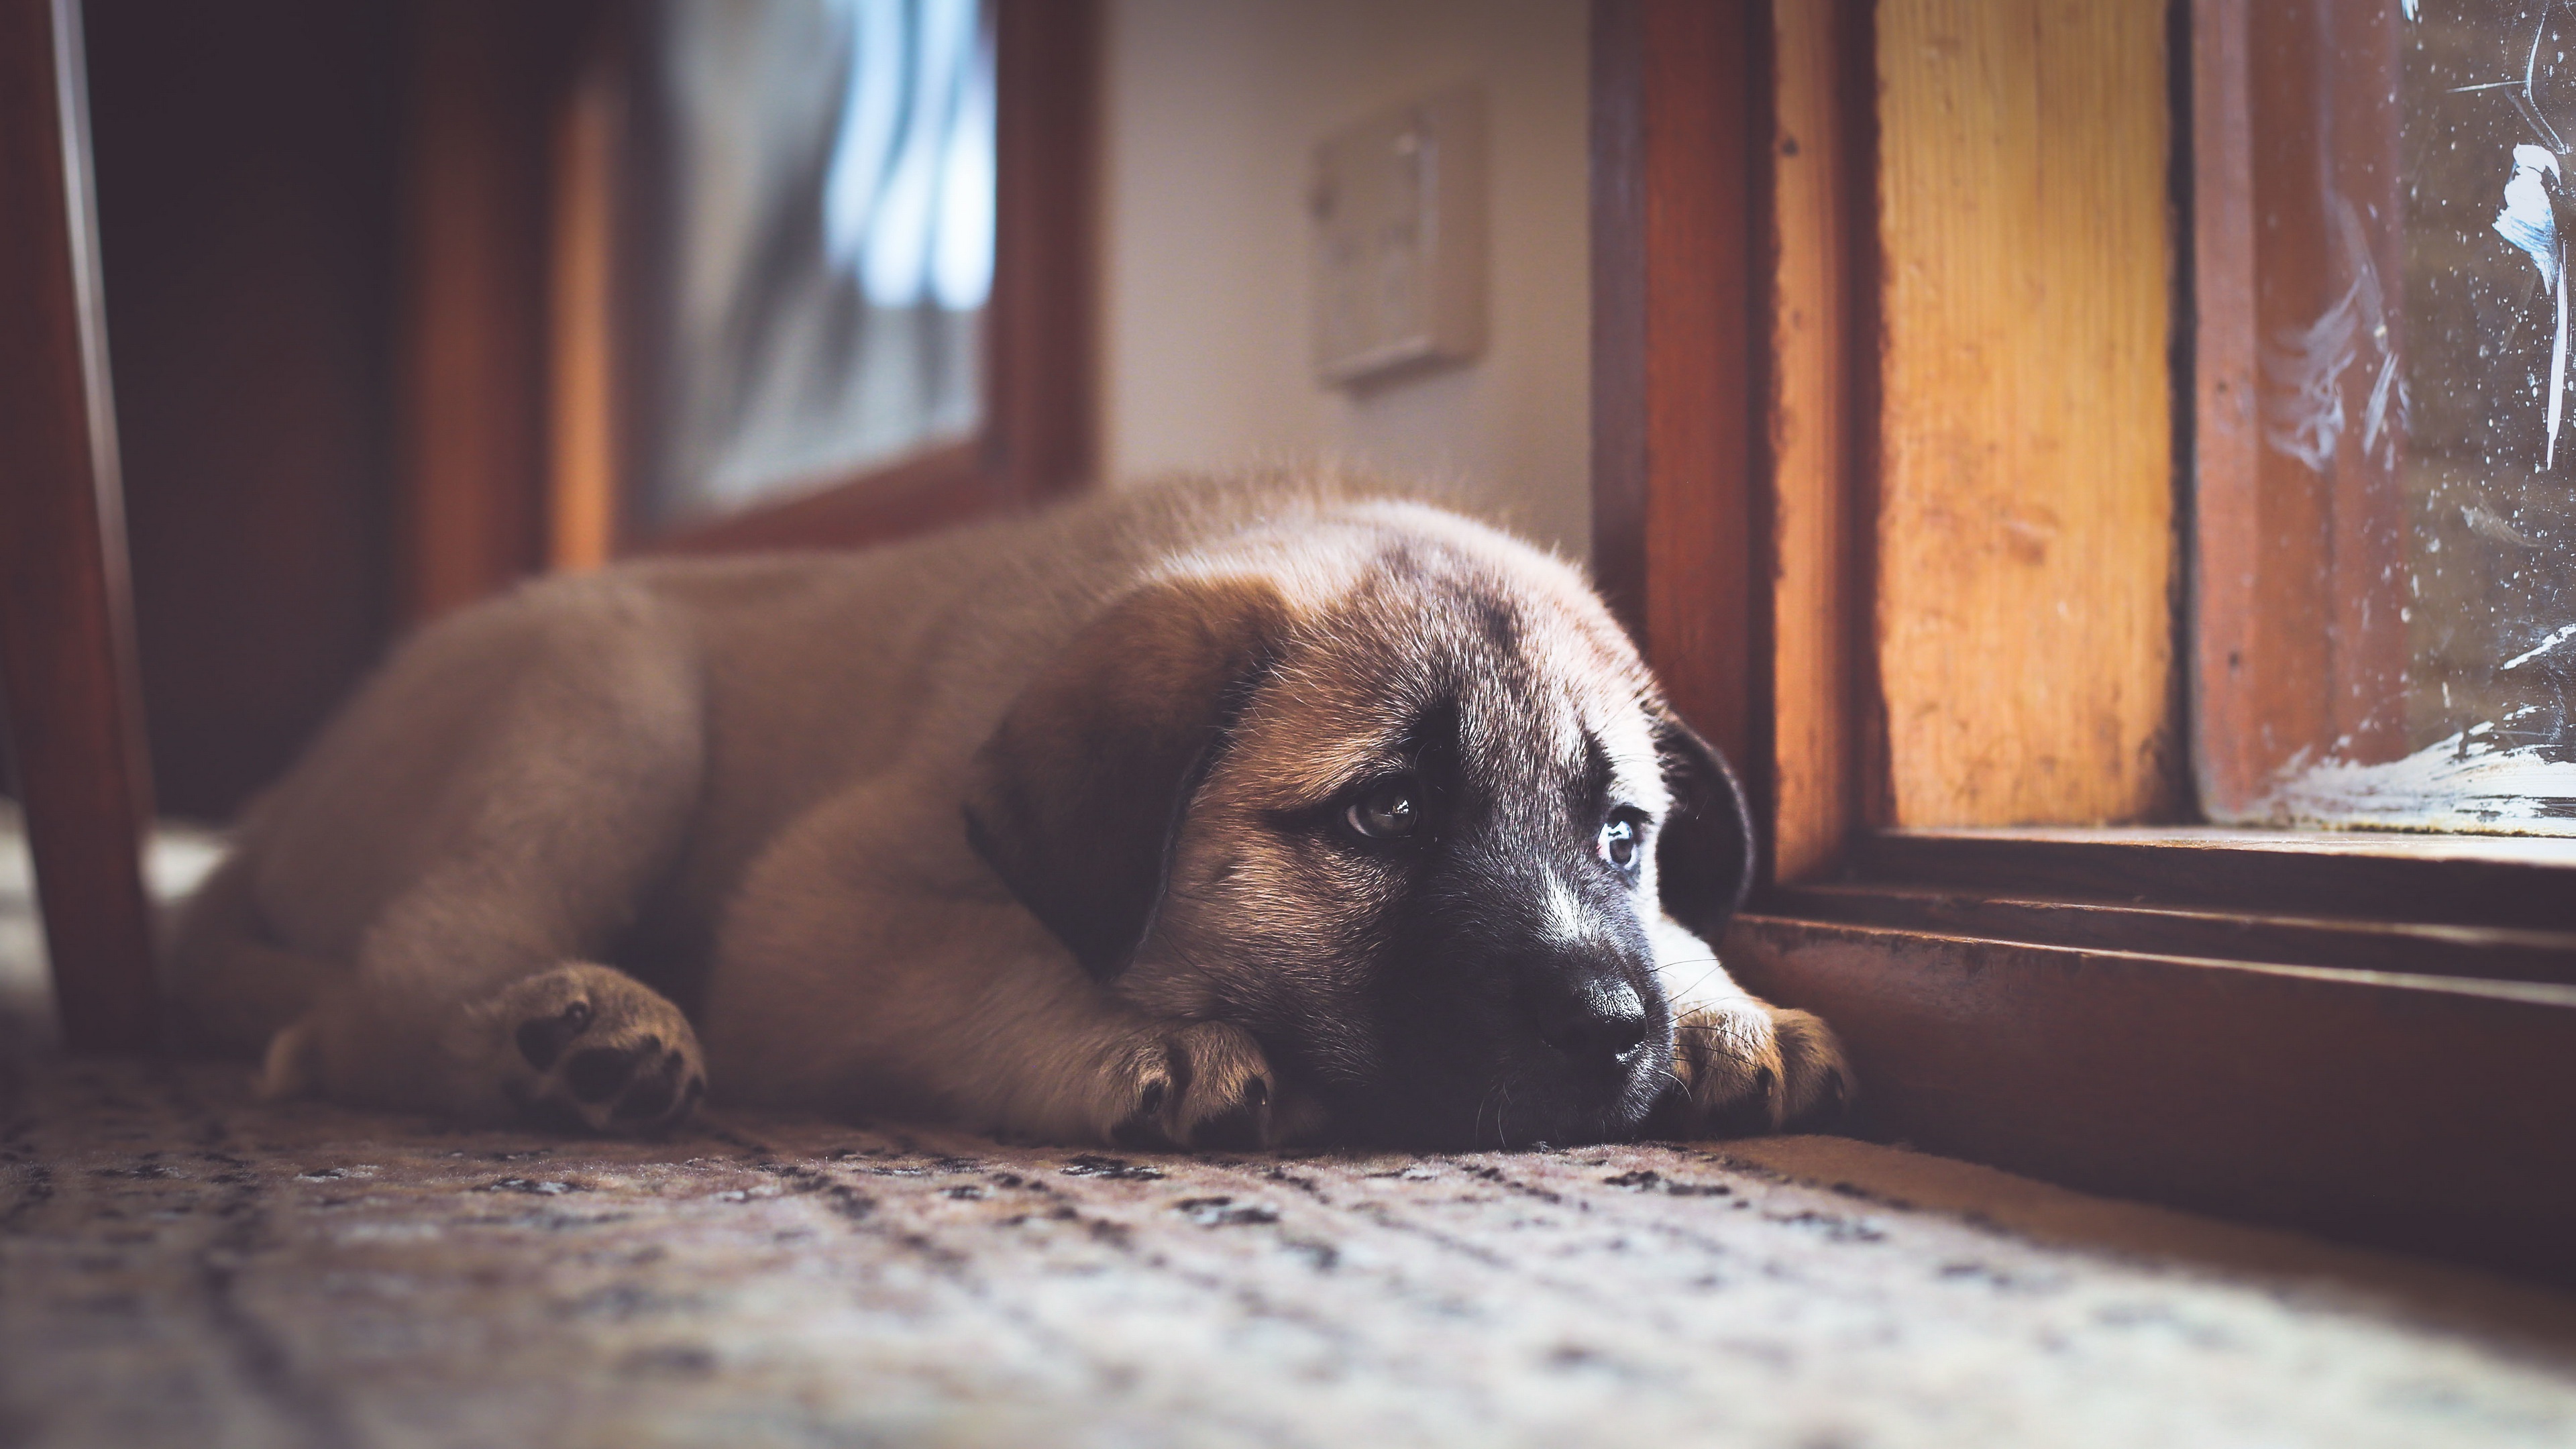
x,y
698,276
1995,575
827,198
2388,582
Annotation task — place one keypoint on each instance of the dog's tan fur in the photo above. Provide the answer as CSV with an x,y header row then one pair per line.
x,y
758,767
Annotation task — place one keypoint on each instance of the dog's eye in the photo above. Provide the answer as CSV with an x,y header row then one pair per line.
x,y
1618,844
1388,812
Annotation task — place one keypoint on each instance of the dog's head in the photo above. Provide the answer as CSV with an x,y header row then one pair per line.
x,y
1394,794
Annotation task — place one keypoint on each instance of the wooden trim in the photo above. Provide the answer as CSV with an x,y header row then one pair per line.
x,y
66,619
941,486
586,283
471,373
2445,879
2227,434
2254,1024
1679,136
2418,1113
2479,952
1041,354
1822,340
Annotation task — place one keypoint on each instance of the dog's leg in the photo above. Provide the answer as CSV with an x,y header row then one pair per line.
x,y
462,846
872,963
228,988
1029,1048
1085,1067
999,1036
1749,1066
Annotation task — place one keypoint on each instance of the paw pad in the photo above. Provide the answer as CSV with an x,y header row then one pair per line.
x,y
614,1057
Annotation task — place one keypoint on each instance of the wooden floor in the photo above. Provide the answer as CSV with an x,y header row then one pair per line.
x,y
181,1266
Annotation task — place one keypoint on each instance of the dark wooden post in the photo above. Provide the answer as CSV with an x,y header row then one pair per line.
x,y
1040,401
1679,131
66,625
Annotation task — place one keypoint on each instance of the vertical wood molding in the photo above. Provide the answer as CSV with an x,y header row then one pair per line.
x,y
2026,502
471,385
1677,137
66,625
1817,590
1041,346
2227,436
585,286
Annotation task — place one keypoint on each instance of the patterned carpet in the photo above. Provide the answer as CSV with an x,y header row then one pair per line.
x,y
181,1266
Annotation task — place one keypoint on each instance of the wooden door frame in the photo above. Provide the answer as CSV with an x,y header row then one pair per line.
x,y
67,665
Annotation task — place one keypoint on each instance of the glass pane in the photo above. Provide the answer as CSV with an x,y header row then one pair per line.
x,y
829,196
2419,465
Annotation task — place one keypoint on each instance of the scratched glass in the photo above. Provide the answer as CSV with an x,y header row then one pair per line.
x,y
2452,386
827,195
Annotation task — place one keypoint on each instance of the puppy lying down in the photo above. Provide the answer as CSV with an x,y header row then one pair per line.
x,y
1227,813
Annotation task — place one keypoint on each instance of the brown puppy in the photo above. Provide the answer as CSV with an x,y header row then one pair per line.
x,y
1223,812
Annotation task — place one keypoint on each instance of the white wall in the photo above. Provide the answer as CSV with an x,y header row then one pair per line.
x,y
1214,109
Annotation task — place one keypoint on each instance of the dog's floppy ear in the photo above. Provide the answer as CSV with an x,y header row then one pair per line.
x,y
1076,798
1704,857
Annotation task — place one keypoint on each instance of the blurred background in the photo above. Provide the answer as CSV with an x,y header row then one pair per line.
x,y
409,301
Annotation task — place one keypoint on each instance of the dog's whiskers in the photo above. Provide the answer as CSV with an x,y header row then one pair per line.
x,y
1715,968
1477,1128
1673,1082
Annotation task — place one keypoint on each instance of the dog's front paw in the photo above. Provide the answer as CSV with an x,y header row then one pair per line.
x,y
591,1048
1752,1067
1203,1084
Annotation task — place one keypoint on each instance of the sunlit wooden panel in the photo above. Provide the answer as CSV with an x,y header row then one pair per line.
x,y
2025,516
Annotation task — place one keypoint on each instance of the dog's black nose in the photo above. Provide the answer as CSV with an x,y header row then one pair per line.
x,y
1597,1024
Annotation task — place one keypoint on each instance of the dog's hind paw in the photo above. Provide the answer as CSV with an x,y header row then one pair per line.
x,y
1199,1085
592,1049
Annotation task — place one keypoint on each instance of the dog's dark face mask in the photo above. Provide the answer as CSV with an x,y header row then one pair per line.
x,y
1429,844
